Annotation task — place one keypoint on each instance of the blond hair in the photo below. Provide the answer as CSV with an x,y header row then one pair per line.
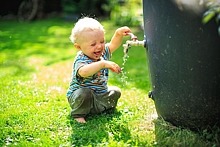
x,y
85,24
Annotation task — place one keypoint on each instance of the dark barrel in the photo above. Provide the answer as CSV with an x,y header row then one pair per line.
x,y
184,61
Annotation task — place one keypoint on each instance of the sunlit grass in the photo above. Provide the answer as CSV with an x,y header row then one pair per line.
x,y
36,64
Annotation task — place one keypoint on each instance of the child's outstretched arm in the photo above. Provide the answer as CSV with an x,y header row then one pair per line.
x,y
118,37
91,69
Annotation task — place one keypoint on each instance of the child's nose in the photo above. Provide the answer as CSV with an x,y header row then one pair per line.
x,y
100,45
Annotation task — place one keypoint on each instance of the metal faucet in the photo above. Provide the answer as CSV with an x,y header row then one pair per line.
x,y
132,42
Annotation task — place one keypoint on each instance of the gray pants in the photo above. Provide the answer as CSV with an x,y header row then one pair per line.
x,y
84,101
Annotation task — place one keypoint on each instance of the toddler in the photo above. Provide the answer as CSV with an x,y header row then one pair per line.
x,y
88,92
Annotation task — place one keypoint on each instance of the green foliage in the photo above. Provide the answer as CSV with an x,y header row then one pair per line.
x,y
126,12
213,12
121,12
35,68
85,7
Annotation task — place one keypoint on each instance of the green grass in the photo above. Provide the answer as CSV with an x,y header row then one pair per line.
x,y
35,68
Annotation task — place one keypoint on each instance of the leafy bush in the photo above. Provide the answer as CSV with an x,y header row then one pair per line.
x,y
211,13
126,12
85,7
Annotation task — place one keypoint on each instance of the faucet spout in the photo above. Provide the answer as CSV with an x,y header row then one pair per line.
x,y
133,42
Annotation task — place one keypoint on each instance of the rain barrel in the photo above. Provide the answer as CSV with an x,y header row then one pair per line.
x,y
184,63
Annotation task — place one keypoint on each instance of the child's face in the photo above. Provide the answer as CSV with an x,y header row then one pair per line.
x,y
92,43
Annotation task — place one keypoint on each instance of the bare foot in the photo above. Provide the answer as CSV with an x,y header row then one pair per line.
x,y
80,120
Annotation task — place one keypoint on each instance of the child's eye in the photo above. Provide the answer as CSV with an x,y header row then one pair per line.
x,y
93,44
102,42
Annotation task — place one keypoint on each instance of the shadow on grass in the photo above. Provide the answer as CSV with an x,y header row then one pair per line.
x,y
15,68
170,135
45,39
103,129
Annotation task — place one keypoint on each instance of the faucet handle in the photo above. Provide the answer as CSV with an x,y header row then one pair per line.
x,y
133,37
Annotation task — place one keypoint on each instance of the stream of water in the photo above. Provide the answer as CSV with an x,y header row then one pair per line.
x,y
123,72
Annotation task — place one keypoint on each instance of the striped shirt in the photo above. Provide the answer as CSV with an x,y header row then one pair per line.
x,y
96,82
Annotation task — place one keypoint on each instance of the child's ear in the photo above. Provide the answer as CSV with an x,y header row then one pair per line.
x,y
76,45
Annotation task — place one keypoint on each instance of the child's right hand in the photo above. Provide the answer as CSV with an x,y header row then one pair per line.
x,y
112,66
123,31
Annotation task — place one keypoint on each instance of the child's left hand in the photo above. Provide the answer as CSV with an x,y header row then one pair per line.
x,y
112,66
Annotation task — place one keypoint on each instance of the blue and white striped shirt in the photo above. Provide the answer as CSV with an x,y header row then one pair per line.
x,y
96,82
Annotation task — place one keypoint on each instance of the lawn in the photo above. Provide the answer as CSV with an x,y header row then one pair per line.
x,y
35,67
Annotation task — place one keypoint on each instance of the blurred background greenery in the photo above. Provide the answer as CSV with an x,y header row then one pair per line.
x,y
121,12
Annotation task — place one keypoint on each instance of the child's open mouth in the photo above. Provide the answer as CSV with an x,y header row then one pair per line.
x,y
98,53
